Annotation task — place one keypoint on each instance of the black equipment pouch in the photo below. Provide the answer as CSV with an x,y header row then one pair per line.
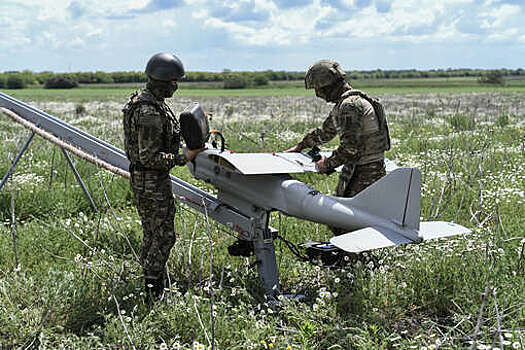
x,y
331,256
194,126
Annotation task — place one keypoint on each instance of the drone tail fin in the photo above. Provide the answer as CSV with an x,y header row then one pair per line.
x,y
395,197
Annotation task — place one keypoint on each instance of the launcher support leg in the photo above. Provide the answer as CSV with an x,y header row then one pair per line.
x,y
79,179
265,254
17,158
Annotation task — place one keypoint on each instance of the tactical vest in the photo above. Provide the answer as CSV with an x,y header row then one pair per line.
x,y
377,141
171,130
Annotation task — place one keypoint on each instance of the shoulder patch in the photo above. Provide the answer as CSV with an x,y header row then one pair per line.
x,y
352,104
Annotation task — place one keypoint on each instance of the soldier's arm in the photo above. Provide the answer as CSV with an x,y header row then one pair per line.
x,y
321,135
348,150
180,157
150,127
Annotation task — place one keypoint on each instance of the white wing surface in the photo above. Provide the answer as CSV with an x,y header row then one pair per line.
x,y
274,162
368,238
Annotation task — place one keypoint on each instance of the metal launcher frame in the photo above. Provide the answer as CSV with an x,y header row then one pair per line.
x,y
249,222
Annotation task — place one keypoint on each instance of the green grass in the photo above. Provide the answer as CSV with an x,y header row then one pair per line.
x,y
121,94
106,92
79,284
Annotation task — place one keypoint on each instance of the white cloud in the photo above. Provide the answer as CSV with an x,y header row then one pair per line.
x,y
77,42
504,34
94,33
252,36
105,29
499,17
169,24
282,27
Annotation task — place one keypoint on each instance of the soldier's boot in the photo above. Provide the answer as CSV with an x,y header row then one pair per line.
x,y
154,288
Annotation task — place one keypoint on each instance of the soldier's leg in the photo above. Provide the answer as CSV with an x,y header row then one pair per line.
x,y
157,250
364,176
345,180
156,207
353,181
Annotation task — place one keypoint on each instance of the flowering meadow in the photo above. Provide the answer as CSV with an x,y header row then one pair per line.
x,y
70,276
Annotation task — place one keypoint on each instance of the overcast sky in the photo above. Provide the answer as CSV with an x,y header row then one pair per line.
x,y
119,35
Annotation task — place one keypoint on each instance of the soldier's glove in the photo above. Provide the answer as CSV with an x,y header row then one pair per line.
x,y
314,153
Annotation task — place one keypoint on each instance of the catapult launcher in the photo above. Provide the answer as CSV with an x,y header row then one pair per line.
x,y
253,185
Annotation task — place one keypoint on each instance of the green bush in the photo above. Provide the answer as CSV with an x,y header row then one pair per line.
x,y
492,78
103,77
15,81
42,77
80,109
60,82
3,82
260,80
234,81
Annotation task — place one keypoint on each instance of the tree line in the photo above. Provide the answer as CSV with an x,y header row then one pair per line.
x,y
230,79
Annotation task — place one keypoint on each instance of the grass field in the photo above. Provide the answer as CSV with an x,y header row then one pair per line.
x,y
70,277
111,92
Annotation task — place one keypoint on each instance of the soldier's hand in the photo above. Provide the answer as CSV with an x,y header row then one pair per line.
x,y
295,148
190,154
321,167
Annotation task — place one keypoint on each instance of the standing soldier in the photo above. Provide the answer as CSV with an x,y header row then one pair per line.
x,y
359,121
152,141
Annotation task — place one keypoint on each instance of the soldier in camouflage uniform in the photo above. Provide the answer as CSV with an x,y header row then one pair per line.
x,y
359,121
152,140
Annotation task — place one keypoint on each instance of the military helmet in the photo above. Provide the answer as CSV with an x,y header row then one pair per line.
x,y
164,66
323,73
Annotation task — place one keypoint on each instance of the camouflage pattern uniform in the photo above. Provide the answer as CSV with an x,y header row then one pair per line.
x,y
364,138
152,139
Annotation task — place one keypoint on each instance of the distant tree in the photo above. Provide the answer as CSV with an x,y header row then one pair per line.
x,y
235,81
103,77
15,81
85,77
260,79
127,77
3,81
29,77
61,82
120,77
494,77
42,77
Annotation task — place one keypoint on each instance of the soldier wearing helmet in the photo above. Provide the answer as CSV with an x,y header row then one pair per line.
x,y
359,121
152,141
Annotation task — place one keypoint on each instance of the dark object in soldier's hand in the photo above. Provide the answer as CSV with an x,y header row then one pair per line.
x,y
194,126
314,154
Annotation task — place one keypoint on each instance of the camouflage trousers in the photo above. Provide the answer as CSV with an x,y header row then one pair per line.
x,y
156,208
354,179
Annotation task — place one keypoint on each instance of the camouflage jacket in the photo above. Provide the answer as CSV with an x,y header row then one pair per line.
x,y
151,133
361,125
